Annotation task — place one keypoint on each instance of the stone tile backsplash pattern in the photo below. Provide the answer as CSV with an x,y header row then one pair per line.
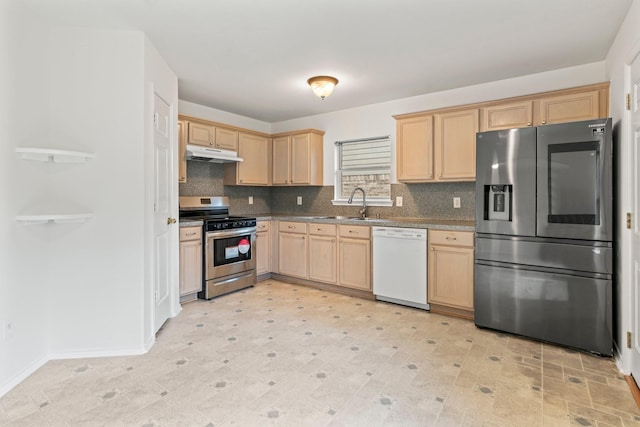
x,y
419,200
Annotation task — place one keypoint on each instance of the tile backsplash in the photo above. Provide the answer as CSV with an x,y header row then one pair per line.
x,y
419,200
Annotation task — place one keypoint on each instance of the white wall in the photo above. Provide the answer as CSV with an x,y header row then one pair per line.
x,y
207,113
625,47
23,249
76,290
96,275
377,120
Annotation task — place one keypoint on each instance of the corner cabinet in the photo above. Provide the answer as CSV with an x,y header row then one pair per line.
x,y
450,260
255,169
298,158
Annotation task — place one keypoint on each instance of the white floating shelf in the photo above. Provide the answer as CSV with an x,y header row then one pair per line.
x,y
51,155
55,218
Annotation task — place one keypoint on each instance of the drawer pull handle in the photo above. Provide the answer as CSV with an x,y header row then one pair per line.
x,y
191,234
451,238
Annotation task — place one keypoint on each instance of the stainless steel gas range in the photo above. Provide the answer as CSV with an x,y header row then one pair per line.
x,y
229,261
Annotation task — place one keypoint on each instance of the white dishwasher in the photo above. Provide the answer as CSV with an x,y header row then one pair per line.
x,y
400,265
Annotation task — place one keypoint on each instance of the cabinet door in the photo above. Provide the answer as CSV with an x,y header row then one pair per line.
x,y
281,161
201,134
354,263
507,116
569,108
323,257
292,255
256,152
182,151
455,145
300,159
414,149
263,247
451,276
190,267
226,139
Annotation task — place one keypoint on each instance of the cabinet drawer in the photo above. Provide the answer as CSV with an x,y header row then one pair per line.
x,y
292,227
355,231
263,226
322,229
190,233
451,238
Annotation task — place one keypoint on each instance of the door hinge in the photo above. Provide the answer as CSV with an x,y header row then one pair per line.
x,y
629,220
628,339
628,101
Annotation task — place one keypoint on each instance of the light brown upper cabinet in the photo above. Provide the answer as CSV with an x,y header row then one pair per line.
x,y
212,136
437,147
455,145
414,145
182,151
298,158
507,116
255,169
569,108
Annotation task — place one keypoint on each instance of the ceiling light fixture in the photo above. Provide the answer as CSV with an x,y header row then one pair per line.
x,y
322,86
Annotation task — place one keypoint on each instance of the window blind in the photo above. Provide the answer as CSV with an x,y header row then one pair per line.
x,y
365,154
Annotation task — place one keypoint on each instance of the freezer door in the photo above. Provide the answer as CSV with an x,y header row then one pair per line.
x,y
558,308
575,180
506,182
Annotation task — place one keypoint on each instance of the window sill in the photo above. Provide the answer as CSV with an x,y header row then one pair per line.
x,y
374,202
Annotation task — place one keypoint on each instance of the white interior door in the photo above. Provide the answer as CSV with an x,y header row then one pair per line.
x,y
635,123
162,210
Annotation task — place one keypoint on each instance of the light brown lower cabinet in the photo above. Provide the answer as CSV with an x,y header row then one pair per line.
x,y
323,253
292,249
263,247
190,260
450,285
354,256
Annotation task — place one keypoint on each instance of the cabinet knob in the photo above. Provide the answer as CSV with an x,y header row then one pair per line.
x,y
432,249
528,123
544,122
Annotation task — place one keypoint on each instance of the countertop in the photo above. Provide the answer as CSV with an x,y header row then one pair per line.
x,y
432,223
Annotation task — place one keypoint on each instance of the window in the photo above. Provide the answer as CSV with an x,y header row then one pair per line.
x,y
364,163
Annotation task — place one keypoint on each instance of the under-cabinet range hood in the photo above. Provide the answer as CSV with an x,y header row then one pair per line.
x,y
211,155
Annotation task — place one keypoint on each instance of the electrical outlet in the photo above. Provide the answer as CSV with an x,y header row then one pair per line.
x,y
299,201
456,202
399,201
250,200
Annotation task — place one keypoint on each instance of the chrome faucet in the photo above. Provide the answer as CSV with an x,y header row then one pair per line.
x,y
363,211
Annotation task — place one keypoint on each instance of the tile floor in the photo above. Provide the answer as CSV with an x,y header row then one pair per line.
x,y
279,354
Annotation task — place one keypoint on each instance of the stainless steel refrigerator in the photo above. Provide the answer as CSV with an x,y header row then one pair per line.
x,y
544,235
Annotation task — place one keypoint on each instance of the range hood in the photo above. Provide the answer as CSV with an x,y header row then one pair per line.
x,y
211,155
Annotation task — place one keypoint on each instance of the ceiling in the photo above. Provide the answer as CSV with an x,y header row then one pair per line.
x,y
253,57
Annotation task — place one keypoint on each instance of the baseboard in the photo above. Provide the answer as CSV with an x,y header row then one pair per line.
x,y
6,388
633,386
82,354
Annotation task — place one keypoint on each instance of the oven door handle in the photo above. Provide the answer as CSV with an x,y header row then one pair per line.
x,y
230,233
